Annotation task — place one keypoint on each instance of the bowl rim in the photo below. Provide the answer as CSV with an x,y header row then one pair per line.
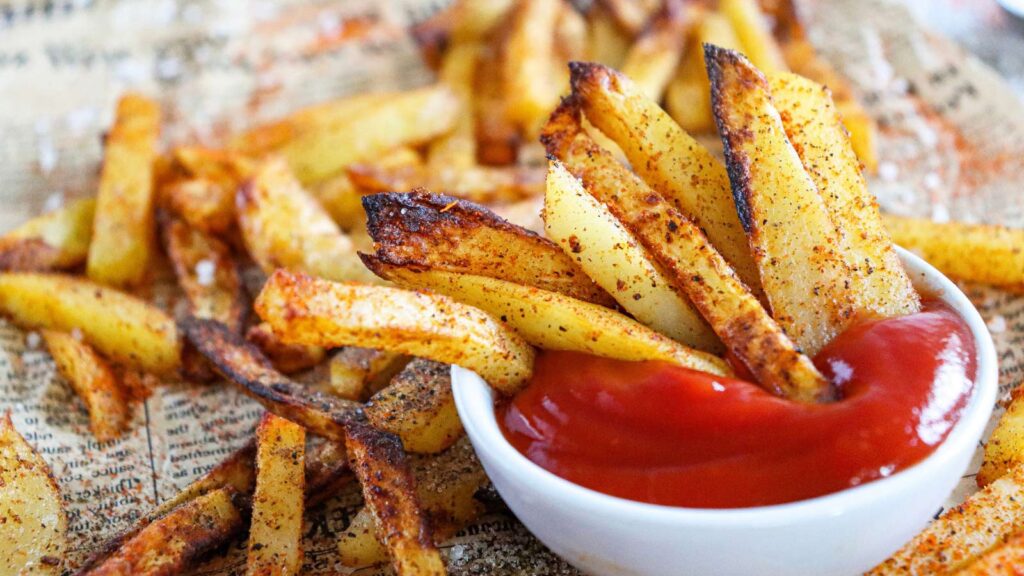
x,y
474,400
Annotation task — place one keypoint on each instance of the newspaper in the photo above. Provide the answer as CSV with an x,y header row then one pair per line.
x,y
952,144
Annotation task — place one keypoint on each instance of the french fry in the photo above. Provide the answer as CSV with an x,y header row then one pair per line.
x,y
608,43
863,133
551,320
172,543
497,137
631,15
123,228
286,358
608,253
754,33
93,381
962,534
241,363
880,286
343,199
670,161
1005,446
531,90
358,372
204,193
472,19
208,275
654,57
122,327
358,545
275,534
284,227
310,311
418,407
450,234
688,97
57,240
457,149
33,531
389,491
485,184
971,252
802,268
697,269
1004,560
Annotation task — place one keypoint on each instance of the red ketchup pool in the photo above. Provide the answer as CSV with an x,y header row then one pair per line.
x,y
654,432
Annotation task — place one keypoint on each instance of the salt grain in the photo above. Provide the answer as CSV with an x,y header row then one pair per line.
x,y
997,324
457,552
932,181
32,340
47,155
76,333
888,171
940,213
205,271
54,201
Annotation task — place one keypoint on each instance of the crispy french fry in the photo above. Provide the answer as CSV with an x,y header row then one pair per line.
x,y
608,44
609,254
551,320
880,286
472,19
123,228
241,363
451,234
754,33
802,269
457,149
172,543
1005,446
972,252
286,358
484,184
987,519
418,407
207,274
284,227
688,97
56,240
358,372
631,15
1004,560
33,531
654,57
531,89
275,534
497,137
120,326
93,381
204,194
310,311
389,490
670,161
343,198
697,269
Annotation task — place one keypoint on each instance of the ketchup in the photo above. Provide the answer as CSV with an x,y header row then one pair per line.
x,y
658,433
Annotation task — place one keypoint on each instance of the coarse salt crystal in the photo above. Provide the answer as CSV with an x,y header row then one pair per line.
x,y
32,340
932,181
940,213
997,324
47,156
53,202
888,171
205,271
457,552
76,333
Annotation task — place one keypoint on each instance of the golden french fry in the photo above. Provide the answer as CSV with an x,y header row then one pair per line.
x,y
120,326
93,381
697,268
418,407
56,240
284,227
33,535
286,358
631,15
207,274
607,44
316,312
123,228
754,33
654,57
880,286
688,97
457,149
802,269
531,89
357,372
450,234
275,533
1005,446
1003,560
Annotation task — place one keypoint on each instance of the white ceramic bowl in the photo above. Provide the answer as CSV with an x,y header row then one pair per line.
x,y
839,534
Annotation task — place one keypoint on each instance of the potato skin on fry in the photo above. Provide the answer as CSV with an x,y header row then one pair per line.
x,y
94,382
275,533
459,236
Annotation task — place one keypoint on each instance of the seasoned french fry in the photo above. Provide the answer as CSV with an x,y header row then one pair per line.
x,y
343,198
457,149
56,240
497,137
172,543
241,363
754,33
123,228
484,184
551,320
697,269
670,161
93,381
275,534
120,326
286,358
972,252
358,545
654,57
631,15
880,286
472,19
450,234
310,311
987,519
688,97
284,227
609,254
390,494
358,372
608,43
531,89
418,407
863,133
204,194
802,268
1005,446
207,274
33,531
1004,560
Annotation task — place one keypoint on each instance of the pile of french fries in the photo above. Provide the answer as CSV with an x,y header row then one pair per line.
x,y
378,264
